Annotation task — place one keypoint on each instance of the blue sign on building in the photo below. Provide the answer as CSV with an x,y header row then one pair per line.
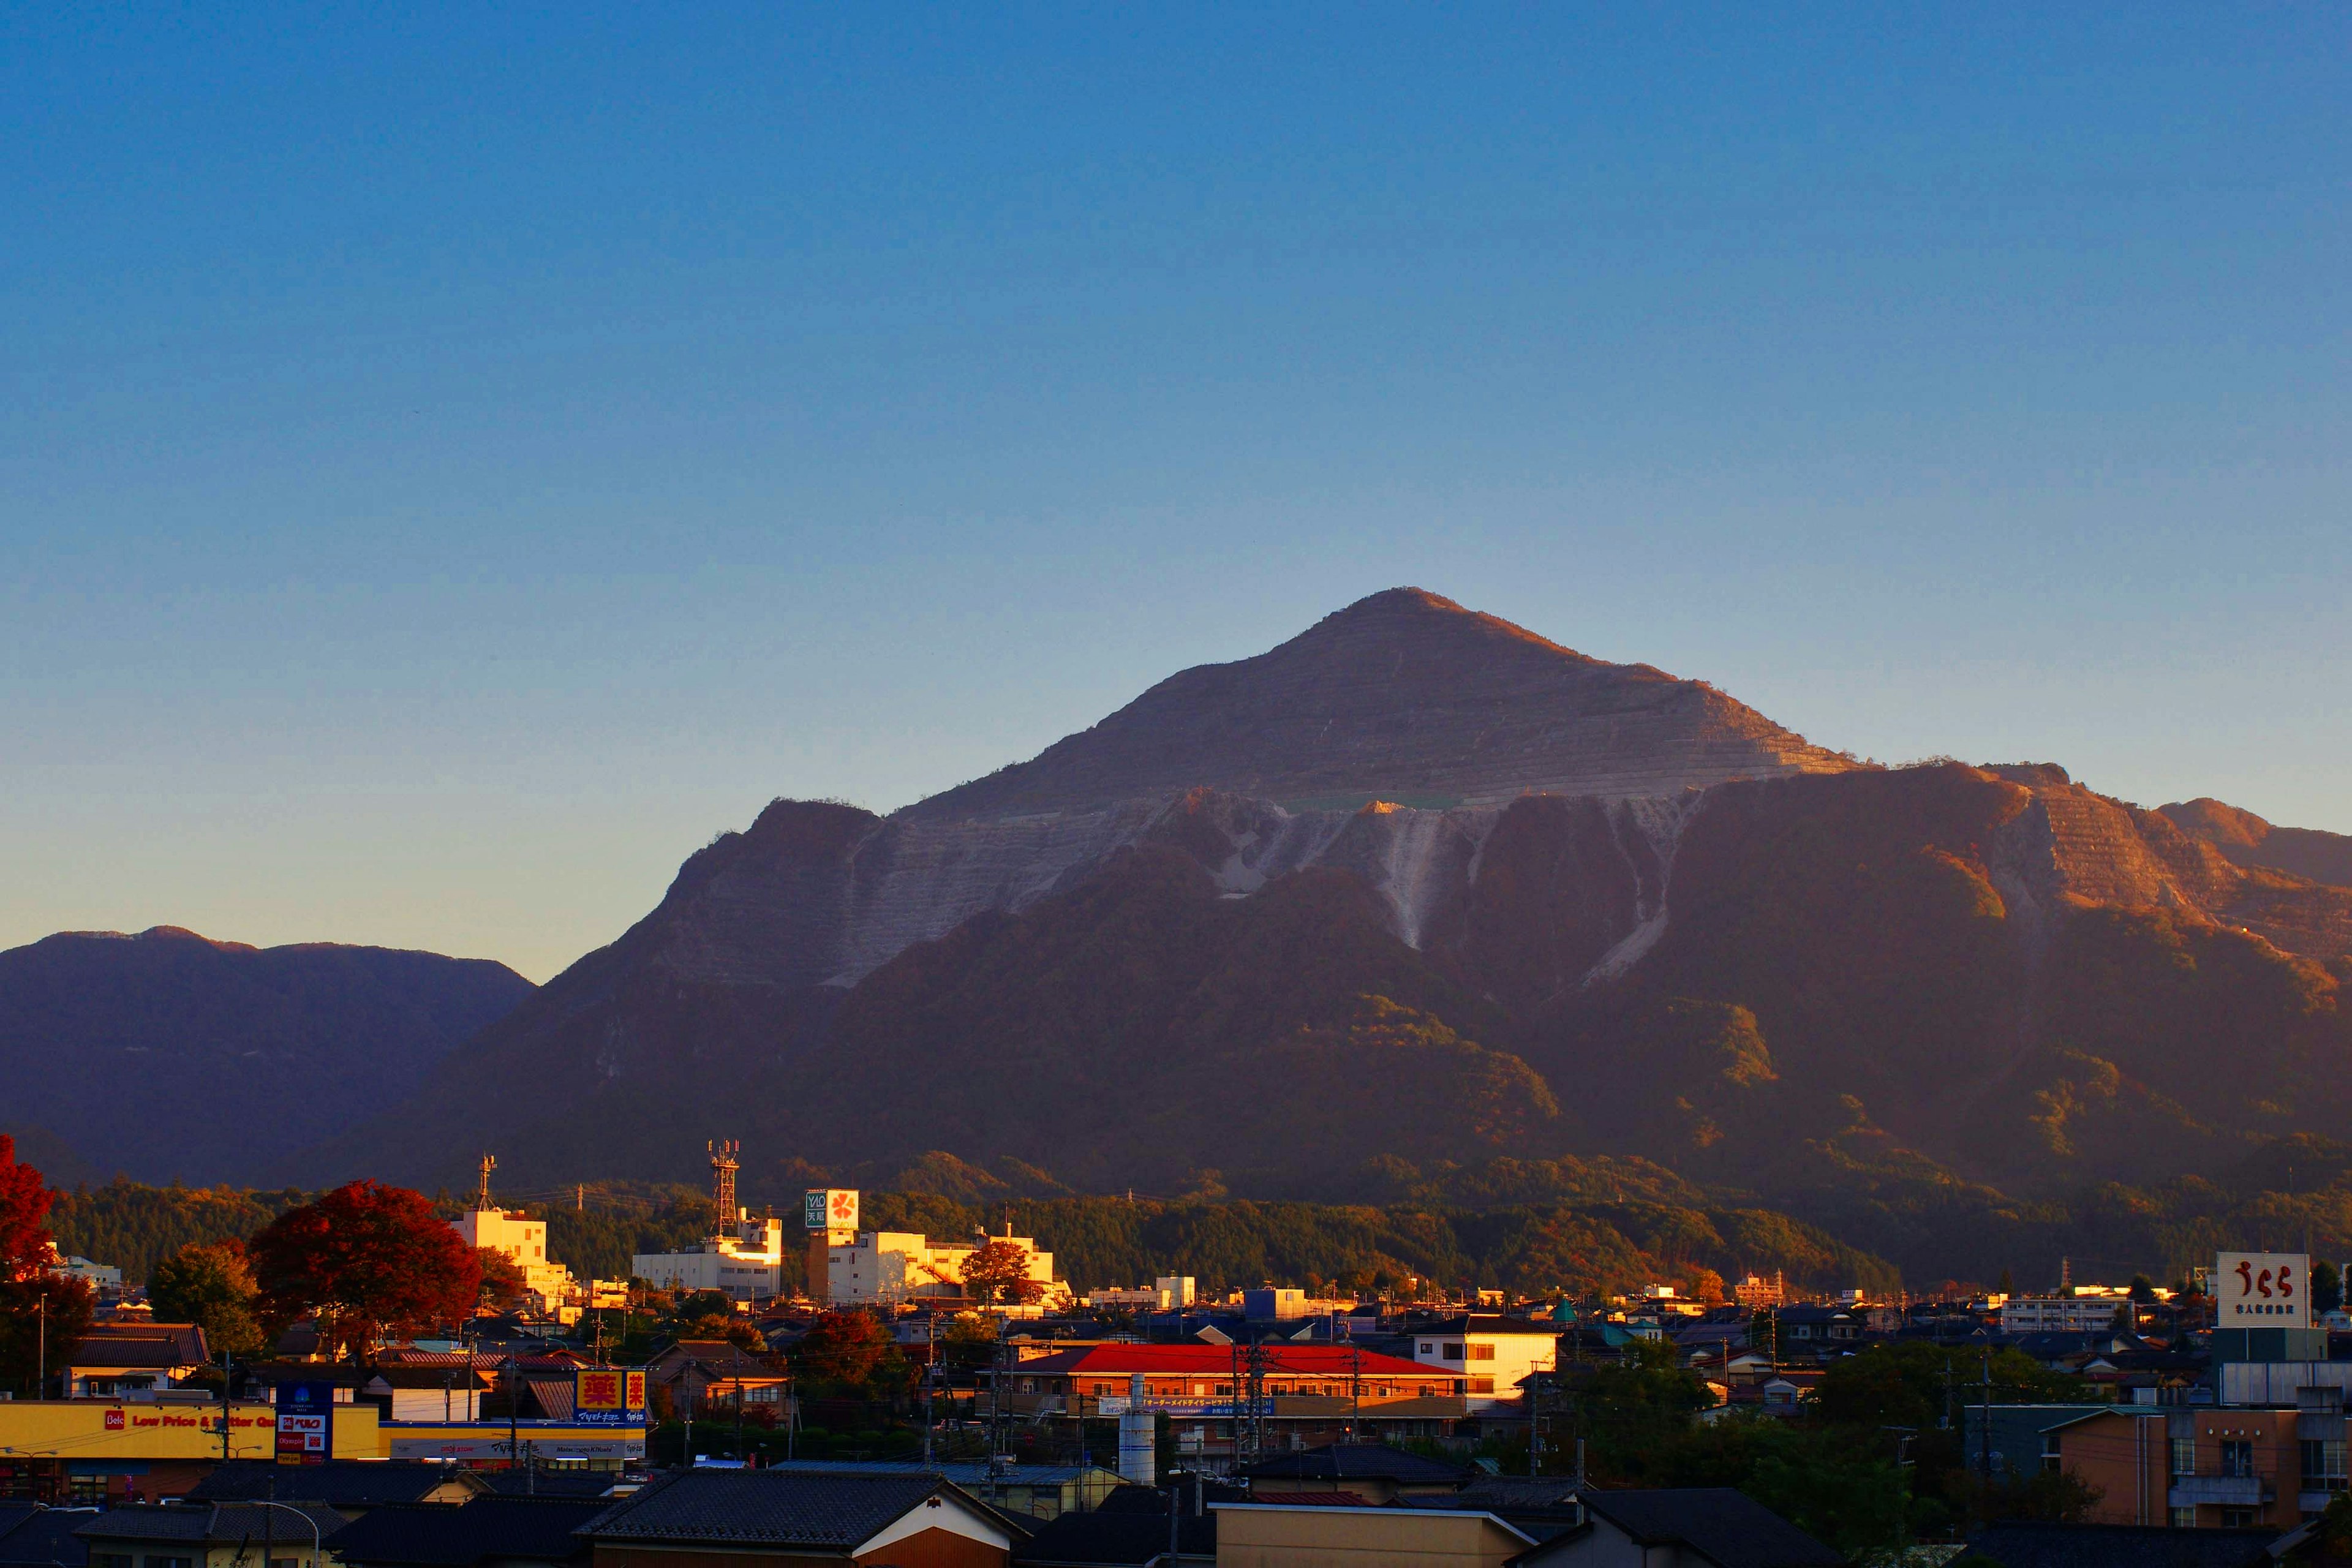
x,y
306,1423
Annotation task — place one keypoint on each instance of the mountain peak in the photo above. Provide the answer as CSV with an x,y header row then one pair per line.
x,y
1403,695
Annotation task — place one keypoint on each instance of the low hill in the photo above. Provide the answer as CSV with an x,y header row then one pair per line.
x,y
166,1055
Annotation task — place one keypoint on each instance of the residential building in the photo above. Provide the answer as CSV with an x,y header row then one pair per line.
x,y
1681,1527
2206,1466
102,1277
218,1535
1131,1530
1320,1535
353,1488
484,1532
1807,1327
2088,1310
33,1536
789,1519
120,1359
2032,1543
698,1375
1032,1491
1370,1473
1491,1354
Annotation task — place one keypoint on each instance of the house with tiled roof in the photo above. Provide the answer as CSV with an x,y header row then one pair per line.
x,y
1678,1527
1357,1473
216,1535
769,1519
116,1359
486,1532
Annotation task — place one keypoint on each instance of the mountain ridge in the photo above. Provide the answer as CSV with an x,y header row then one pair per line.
x,y
242,1053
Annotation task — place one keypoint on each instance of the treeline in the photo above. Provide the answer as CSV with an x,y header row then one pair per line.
x,y
133,1226
1530,1249
1536,1248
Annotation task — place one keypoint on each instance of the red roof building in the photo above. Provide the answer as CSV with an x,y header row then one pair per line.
x,y
1196,1377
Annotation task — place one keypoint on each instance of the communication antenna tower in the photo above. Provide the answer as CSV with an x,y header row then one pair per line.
x,y
482,1193
723,1166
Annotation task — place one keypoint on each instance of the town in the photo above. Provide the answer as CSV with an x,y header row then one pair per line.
x,y
813,1389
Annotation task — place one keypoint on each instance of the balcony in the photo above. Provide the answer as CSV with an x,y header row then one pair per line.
x,y
2225,1491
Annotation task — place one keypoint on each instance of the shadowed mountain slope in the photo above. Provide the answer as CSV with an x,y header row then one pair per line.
x,y
167,1055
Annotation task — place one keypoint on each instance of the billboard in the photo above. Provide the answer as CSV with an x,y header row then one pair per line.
x,y
609,1396
2261,1291
306,1423
830,1209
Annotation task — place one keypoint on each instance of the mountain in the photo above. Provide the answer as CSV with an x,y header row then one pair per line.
x,y
1400,697
2245,839
169,1056
1418,888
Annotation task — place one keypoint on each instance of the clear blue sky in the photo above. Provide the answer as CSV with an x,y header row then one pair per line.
x,y
455,461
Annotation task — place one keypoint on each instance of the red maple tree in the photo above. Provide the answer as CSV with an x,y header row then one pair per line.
x,y
37,1307
369,1262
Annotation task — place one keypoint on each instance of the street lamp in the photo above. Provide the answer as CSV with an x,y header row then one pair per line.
x,y
283,1508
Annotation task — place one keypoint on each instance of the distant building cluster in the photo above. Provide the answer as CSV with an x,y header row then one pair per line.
x,y
2229,1407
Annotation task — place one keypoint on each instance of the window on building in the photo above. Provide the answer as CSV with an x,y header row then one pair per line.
x,y
110,1560
2237,1519
1453,1351
1482,1352
2184,1456
2183,1519
2323,1465
2237,1458
166,1562
1482,1386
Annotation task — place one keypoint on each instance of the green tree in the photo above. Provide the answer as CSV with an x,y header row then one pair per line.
x,y
212,1286
2326,1286
1913,1384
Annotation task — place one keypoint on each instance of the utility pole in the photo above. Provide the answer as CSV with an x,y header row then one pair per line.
x,y
1354,1389
514,1394
41,1344
1984,1436
930,1382
227,1376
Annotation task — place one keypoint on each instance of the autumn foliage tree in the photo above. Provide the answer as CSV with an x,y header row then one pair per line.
x,y
503,1286
369,1262
845,1347
212,1286
37,1306
999,1269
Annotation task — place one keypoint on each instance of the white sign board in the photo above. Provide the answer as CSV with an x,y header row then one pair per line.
x,y
2261,1291
830,1209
